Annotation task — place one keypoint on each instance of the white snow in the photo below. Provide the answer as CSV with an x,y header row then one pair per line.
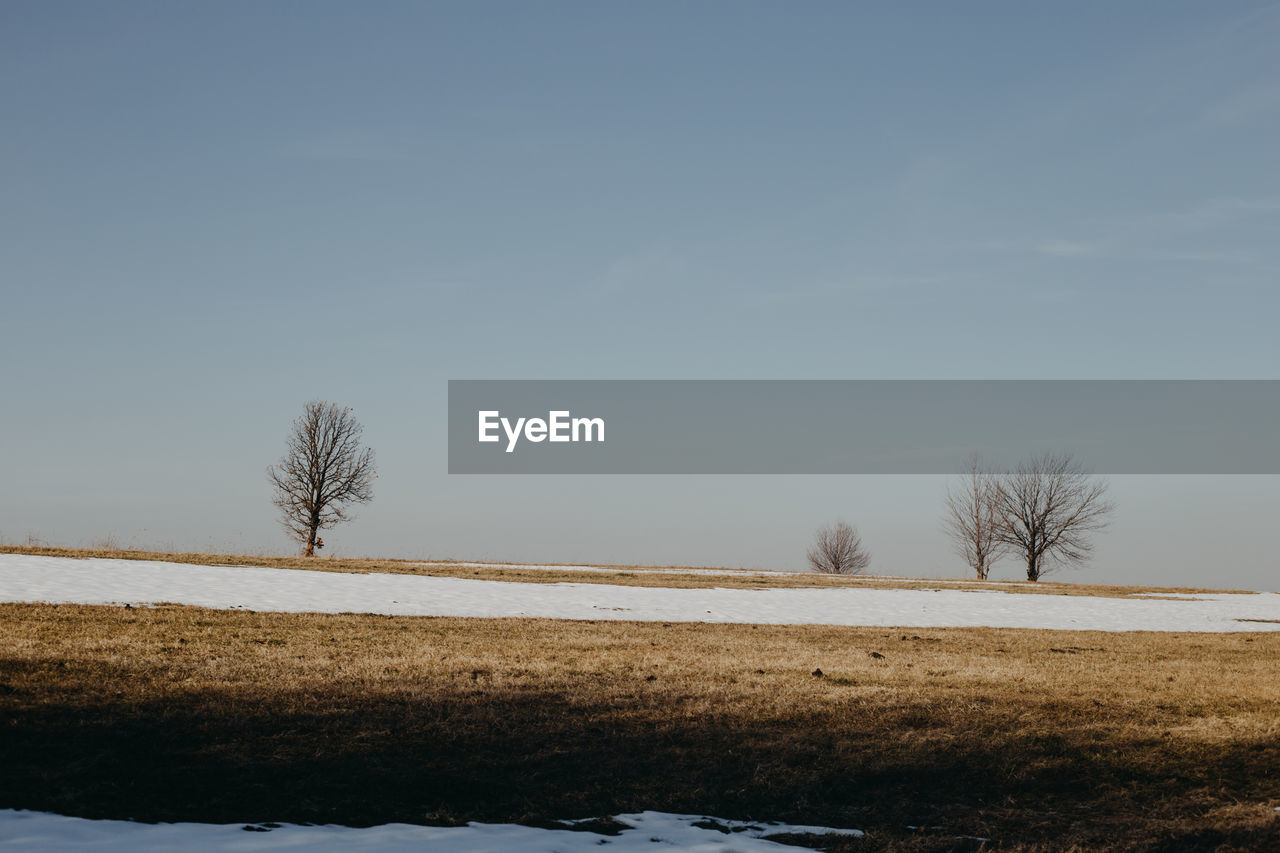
x,y
99,581
611,570
648,831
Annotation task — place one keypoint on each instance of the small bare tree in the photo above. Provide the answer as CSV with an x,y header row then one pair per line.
x,y
1050,507
973,518
323,471
838,550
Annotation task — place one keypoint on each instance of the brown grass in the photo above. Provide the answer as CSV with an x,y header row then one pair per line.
x,y
1038,740
621,575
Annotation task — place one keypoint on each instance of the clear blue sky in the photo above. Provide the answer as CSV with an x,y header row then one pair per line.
x,y
213,212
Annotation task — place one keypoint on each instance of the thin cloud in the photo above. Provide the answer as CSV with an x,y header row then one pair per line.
x,y
1069,249
1205,215
1245,106
345,147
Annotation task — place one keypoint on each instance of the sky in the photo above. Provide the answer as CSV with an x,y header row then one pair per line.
x,y
214,212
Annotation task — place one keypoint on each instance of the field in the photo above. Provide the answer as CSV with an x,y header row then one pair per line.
x,y
926,739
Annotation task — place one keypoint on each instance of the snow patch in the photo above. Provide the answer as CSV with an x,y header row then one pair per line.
x,y
105,581
612,570
646,831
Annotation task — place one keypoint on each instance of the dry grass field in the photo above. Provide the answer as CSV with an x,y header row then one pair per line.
x,y
670,576
1035,740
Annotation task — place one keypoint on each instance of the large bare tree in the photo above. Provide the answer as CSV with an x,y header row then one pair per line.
x,y
838,550
973,517
1050,508
324,471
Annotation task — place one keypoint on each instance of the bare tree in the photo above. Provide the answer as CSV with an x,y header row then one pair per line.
x,y
973,518
1050,507
838,550
323,471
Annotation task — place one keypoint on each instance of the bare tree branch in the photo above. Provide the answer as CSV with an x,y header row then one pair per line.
x,y
838,551
973,518
1050,507
322,472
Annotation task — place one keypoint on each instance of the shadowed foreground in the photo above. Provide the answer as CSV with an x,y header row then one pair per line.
x,y
1036,740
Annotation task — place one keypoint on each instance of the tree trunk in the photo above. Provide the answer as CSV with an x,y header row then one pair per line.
x,y
1033,568
309,550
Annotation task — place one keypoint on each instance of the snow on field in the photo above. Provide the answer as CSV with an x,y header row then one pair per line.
x,y
610,570
648,831
94,581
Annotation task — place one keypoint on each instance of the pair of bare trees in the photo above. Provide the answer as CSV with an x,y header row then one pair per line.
x,y
1046,510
